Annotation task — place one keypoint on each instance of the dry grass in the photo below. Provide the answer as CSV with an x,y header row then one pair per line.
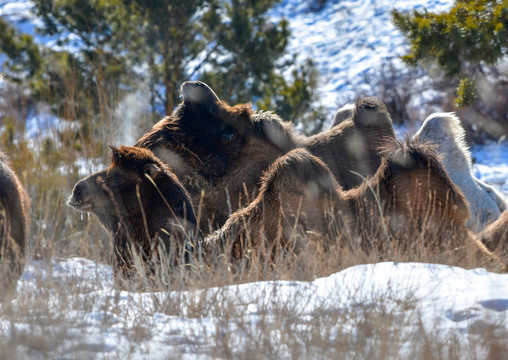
x,y
53,312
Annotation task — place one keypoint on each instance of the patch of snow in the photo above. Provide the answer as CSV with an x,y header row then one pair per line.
x,y
491,165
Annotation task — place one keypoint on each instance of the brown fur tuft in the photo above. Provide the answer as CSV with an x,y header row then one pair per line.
x,y
495,237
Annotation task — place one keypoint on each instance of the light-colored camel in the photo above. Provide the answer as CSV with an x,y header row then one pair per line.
x,y
445,132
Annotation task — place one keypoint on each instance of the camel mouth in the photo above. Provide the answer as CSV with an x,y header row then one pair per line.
x,y
81,205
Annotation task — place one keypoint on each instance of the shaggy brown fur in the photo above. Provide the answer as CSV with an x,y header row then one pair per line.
x,y
298,197
410,197
14,224
416,196
220,151
143,205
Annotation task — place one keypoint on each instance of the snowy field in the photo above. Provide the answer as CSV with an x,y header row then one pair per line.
x,y
92,320
492,165
96,321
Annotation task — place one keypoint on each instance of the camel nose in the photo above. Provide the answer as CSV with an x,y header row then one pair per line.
x,y
79,193
79,188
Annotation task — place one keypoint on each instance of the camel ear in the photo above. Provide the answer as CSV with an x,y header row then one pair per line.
x,y
151,170
197,92
115,153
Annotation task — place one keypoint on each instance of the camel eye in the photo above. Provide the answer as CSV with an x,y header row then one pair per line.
x,y
117,180
228,135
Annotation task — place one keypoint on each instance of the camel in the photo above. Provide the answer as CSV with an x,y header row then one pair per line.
x,y
495,236
14,226
485,202
410,203
143,205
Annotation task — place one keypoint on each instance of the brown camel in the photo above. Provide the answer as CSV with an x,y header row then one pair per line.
x,y
14,225
141,202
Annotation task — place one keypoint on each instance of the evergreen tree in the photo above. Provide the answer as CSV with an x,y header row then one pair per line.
x,y
296,100
46,73
233,45
168,35
461,41
250,60
97,74
248,49
23,58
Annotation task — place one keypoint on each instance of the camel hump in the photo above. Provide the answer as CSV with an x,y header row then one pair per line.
x,y
300,167
197,92
371,112
446,122
445,130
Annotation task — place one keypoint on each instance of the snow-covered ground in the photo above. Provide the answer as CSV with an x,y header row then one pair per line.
x,y
347,39
96,321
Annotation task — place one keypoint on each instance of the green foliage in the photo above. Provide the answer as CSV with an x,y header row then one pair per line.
x,y
45,72
466,43
472,32
466,93
22,53
169,36
95,22
249,62
296,100
177,39
98,73
248,47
